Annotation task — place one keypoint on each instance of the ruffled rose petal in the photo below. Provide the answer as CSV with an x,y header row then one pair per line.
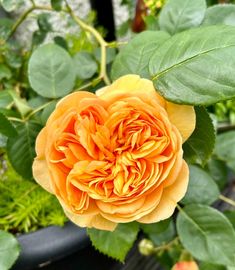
x,y
183,117
171,195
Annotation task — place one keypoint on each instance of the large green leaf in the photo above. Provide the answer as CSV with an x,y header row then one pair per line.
x,y
51,71
210,266
220,14
196,67
201,189
115,244
207,234
9,250
20,149
179,15
231,216
11,5
224,148
6,128
134,57
198,148
85,65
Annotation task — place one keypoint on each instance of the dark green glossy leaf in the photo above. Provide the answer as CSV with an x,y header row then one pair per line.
x,y
201,189
115,244
179,15
207,234
220,14
85,65
196,67
51,71
6,128
224,148
60,41
20,149
56,4
199,147
9,250
134,57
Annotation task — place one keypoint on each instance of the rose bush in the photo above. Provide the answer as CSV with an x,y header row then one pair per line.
x,y
116,156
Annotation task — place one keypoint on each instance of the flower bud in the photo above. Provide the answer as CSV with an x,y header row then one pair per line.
x,y
146,247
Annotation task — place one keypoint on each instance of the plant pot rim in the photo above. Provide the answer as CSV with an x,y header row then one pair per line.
x,y
49,244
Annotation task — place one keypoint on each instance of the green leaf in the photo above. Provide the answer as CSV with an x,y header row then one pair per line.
x,y
44,22
60,41
6,128
196,67
20,149
56,4
110,54
207,234
179,15
5,27
134,57
84,64
5,72
38,37
51,71
47,111
9,250
198,148
224,148
220,14
210,266
231,216
218,171
11,5
161,232
201,189
3,141
115,244
20,103
5,99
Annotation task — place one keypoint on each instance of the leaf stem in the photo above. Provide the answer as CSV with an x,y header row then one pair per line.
x,y
15,119
227,200
38,109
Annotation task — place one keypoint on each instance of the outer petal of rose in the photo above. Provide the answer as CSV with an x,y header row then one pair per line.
x,y
40,169
130,85
171,195
92,221
183,117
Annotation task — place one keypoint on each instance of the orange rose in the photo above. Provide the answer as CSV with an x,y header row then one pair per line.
x,y
116,156
185,266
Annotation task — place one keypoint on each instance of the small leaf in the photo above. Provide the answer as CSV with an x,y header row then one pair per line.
x,y
38,37
11,5
201,189
60,41
220,14
161,232
5,72
5,99
6,128
195,67
51,71
115,244
20,103
20,149
84,64
198,148
218,171
134,57
56,4
224,148
9,250
179,15
44,22
5,27
213,234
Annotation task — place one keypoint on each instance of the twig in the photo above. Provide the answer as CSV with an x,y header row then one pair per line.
x,y
227,200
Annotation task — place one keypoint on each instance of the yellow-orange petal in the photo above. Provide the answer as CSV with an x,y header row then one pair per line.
x,y
91,221
185,265
130,85
171,195
183,117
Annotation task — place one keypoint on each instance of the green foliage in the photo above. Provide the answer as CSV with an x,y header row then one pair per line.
x,y
198,69
201,189
220,14
6,127
9,250
56,4
115,244
180,15
20,149
85,65
11,5
198,148
51,72
225,111
224,148
213,233
134,57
